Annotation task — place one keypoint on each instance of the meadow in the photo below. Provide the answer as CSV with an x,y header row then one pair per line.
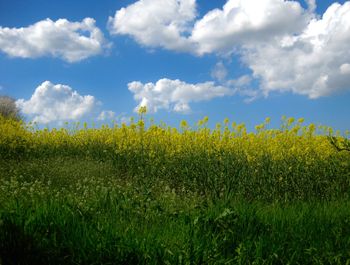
x,y
147,193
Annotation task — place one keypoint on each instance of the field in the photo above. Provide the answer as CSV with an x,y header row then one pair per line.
x,y
151,194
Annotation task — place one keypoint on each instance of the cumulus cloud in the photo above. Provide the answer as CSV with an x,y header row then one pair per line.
x,y
315,62
287,47
156,23
174,95
70,41
247,21
56,103
172,24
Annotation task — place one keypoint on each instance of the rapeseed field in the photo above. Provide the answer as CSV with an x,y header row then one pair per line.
x,y
143,193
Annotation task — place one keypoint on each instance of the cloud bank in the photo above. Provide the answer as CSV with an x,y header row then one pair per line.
x,y
286,47
70,41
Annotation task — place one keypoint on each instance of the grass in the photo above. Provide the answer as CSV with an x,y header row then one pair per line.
x,y
67,211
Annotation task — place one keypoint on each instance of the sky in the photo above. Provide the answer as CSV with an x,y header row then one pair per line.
x,y
245,60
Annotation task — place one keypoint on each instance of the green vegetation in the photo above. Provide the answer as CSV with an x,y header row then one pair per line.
x,y
157,195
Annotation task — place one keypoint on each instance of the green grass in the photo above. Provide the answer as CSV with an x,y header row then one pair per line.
x,y
71,210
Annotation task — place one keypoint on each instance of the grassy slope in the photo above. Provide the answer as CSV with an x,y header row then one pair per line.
x,y
80,211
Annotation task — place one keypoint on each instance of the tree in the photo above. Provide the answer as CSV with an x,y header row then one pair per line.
x,y
8,108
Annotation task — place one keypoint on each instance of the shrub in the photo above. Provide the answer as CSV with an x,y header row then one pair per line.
x,y
8,108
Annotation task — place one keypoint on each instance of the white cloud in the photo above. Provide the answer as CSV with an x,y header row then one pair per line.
x,y
287,47
242,86
345,69
313,63
247,21
311,4
242,81
107,115
56,103
70,41
171,24
156,23
219,72
174,95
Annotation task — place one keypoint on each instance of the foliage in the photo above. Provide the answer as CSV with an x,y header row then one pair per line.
x,y
151,194
340,144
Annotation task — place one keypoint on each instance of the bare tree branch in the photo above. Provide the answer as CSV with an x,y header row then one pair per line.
x,y
8,108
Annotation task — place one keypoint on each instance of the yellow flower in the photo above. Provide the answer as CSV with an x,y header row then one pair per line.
x,y
142,110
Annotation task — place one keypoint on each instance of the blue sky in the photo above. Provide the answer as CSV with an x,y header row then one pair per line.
x,y
184,59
